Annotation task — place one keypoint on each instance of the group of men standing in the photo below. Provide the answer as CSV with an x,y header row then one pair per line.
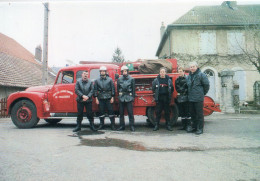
x,y
104,92
191,91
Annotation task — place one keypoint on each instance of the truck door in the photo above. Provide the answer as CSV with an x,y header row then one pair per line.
x,y
63,93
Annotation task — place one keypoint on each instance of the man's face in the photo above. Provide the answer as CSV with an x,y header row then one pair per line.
x,y
193,68
181,72
162,73
124,72
102,72
84,76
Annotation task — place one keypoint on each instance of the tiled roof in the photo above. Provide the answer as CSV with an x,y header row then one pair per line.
x,y
221,15
11,47
16,72
18,68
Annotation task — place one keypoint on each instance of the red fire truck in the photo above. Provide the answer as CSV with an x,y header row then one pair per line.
x,y
54,102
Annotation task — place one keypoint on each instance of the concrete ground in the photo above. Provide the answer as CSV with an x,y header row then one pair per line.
x,y
229,149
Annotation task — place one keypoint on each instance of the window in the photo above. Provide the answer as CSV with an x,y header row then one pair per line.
x,y
66,77
207,42
94,74
236,42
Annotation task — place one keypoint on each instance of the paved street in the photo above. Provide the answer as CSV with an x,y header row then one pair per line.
x,y
228,150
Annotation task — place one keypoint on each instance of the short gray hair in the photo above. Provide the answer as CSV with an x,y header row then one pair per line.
x,y
193,63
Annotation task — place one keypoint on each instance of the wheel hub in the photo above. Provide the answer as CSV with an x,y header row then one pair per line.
x,y
24,114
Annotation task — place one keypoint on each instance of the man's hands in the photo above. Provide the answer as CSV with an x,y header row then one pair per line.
x,y
85,98
112,100
97,100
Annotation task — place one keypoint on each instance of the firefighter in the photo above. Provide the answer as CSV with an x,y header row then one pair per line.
x,y
104,92
198,87
163,89
84,89
182,97
126,91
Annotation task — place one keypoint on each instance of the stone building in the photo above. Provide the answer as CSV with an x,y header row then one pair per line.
x,y
19,69
218,38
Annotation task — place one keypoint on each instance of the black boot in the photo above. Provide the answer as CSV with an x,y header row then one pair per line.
x,y
122,125
102,123
199,131
78,127
91,125
189,128
132,128
184,124
168,126
112,119
156,126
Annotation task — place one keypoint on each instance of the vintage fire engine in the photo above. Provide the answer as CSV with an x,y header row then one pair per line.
x,y
54,102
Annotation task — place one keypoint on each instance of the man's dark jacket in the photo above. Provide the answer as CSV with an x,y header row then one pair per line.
x,y
198,86
84,88
182,88
104,88
126,88
156,87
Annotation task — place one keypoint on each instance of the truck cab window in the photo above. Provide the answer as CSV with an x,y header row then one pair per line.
x,y
94,74
65,77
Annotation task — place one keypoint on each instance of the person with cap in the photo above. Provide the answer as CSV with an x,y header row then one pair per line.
x,y
198,87
182,97
84,90
126,91
163,89
104,92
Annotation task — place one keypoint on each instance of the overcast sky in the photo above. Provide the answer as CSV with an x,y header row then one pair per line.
x,y
91,31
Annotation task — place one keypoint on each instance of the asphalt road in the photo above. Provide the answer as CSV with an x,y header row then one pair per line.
x,y
229,149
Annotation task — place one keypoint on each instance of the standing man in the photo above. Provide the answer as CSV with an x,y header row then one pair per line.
x,y
84,90
182,97
104,91
126,91
198,87
162,89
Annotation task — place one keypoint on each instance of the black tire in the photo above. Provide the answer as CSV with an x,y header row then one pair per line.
x,y
52,121
173,115
24,114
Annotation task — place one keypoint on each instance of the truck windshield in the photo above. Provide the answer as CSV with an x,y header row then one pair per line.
x,y
65,77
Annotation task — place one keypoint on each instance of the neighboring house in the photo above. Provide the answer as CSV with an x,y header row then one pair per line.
x,y
217,37
18,67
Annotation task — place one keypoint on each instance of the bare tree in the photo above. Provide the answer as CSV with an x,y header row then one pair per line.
x,y
252,53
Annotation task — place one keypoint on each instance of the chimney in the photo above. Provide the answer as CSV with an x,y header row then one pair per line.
x,y
38,53
229,4
162,29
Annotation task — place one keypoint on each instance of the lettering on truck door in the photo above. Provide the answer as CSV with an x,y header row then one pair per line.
x,y
63,93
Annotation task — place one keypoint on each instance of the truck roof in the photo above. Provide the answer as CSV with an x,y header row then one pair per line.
x,y
95,66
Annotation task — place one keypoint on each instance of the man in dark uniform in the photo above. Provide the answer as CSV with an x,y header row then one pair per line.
x,y
104,91
182,97
198,87
84,90
163,89
126,91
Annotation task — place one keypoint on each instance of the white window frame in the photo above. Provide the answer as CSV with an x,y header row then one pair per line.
x,y
236,42
207,43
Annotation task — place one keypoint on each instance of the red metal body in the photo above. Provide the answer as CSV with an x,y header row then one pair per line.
x,y
61,98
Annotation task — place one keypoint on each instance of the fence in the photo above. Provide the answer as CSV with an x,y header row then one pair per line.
x,y
3,111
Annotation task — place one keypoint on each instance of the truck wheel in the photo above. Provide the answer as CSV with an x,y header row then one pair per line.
x,y
173,115
24,114
52,121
